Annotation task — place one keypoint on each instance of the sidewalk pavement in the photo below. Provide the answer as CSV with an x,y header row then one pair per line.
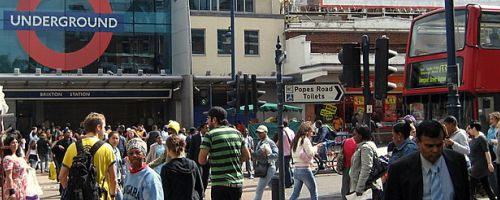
x,y
328,188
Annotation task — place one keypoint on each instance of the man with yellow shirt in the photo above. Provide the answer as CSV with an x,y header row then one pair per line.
x,y
103,159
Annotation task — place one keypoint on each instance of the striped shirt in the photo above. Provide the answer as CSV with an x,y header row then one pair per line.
x,y
224,145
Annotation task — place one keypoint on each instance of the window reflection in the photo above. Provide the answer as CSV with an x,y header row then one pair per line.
x,y
141,45
198,41
251,42
222,5
223,42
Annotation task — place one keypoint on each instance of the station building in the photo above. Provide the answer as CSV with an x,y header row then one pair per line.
x,y
61,59
136,61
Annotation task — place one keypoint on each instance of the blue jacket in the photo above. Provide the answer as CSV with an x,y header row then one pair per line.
x,y
270,158
407,147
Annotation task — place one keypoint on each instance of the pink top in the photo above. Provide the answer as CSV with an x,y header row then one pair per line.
x,y
288,136
19,176
349,149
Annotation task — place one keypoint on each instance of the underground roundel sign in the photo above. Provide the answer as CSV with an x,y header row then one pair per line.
x,y
26,21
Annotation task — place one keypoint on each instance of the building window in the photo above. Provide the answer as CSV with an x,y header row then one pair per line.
x,y
225,5
198,41
199,4
223,41
248,5
222,5
251,42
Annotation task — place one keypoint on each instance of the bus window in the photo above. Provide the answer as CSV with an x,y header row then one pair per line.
x,y
438,106
489,37
429,34
434,107
485,107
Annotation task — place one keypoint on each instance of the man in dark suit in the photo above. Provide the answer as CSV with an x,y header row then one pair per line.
x,y
414,176
194,150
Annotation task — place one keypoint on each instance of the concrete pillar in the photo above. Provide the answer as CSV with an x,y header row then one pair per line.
x,y
187,107
39,114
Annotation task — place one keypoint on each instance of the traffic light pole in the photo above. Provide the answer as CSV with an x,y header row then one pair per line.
x,y
365,48
453,104
210,94
233,59
279,58
246,96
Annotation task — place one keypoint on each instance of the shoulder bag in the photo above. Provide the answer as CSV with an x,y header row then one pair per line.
x,y
379,167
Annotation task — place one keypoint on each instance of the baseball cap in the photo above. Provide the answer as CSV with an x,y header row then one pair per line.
x,y
262,128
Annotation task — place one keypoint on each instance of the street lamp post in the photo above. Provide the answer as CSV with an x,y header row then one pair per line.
x,y
280,56
365,48
453,104
233,60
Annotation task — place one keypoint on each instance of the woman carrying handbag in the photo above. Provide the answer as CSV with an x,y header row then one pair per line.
x,y
302,152
265,156
362,162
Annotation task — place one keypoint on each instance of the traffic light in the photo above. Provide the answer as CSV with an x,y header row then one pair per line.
x,y
256,93
246,94
233,95
382,68
349,57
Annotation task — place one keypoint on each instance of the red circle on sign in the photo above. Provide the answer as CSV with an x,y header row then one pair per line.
x,y
61,60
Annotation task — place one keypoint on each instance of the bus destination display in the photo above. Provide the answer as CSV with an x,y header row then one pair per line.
x,y
430,73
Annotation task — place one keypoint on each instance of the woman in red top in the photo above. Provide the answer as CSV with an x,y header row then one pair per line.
x,y
349,147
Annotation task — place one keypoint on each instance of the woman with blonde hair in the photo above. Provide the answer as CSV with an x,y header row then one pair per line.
x,y
494,127
302,153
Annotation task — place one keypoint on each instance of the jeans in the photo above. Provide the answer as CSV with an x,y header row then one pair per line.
x,y
226,193
346,180
249,167
44,163
492,179
304,176
264,181
498,178
288,172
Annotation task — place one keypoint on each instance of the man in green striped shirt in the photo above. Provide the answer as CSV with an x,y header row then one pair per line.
x,y
225,149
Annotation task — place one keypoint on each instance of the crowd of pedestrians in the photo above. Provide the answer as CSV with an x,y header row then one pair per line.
x,y
426,160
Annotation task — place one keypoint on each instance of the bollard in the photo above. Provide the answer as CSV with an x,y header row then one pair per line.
x,y
275,187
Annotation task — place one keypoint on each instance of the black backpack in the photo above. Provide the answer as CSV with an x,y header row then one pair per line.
x,y
82,183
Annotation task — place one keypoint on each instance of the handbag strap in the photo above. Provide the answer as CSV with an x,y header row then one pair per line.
x,y
288,137
375,155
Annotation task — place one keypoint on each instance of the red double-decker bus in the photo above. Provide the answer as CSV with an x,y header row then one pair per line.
x,y
477,37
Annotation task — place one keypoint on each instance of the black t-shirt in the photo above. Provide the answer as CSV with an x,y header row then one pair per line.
x,y
43,146
478,148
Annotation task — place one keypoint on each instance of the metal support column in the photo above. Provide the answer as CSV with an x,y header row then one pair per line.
x,y
453,104
233,59
280,56
365,48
